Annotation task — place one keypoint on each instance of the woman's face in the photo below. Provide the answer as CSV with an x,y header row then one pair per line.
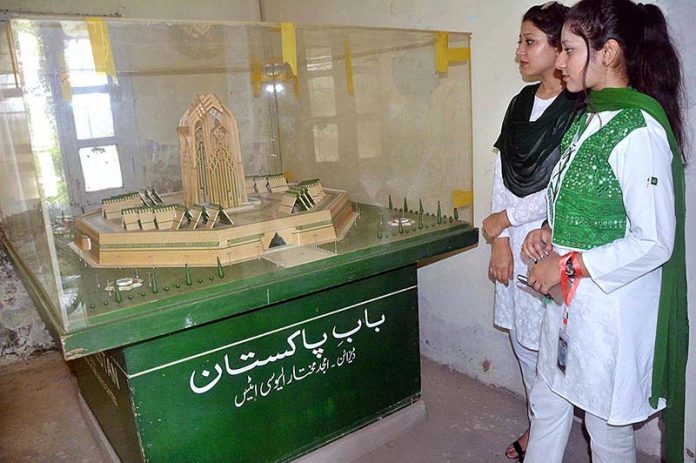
x,y
534,53
572,61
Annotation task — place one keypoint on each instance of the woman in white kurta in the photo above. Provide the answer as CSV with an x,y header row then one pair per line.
x,y
611,227
531,132
613,315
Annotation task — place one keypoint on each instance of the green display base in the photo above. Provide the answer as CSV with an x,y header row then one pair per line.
x,y
266,385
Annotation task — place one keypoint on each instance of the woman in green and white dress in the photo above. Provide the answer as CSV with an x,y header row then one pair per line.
x,y
614,241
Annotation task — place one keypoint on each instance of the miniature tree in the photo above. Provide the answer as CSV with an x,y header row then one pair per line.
x,y
220,271
391,206
187,275
456,214
405,205
155,285
117,293
439,213
420,207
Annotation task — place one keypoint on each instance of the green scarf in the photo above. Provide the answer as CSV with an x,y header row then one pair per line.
x,y
530,149
672,341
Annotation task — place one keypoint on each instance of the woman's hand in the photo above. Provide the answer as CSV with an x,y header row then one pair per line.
x,y
537,244
501,264
494,224
545,274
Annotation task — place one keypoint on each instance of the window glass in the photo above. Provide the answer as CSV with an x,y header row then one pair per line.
x,y
101,168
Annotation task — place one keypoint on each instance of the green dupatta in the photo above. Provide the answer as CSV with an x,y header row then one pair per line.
x,y
672,341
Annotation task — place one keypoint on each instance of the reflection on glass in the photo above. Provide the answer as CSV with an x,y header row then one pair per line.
x,y
366,92
80,63
92,112
319,59
321,96
326,142
7,81
49,179
101,168
274,88
369,139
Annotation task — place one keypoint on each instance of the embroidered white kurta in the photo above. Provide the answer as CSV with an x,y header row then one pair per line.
x,y
613,316
517,307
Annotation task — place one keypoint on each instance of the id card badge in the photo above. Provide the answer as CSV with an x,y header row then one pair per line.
x,y
562,350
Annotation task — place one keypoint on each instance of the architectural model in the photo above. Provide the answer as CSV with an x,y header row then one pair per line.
x,y
220,216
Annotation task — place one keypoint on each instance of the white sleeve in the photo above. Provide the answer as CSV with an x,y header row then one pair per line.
x,y
499,201
642,165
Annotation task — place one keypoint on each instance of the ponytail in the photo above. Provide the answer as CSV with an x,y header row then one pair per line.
x,y
655,68
651,61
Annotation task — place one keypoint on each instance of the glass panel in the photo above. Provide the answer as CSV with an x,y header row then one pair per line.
x,y
92,113
101,168
366,118
326,142
321,96
78,57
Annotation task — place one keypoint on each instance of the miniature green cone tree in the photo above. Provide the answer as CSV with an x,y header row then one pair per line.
x,y
187,275
439,213
221,272
391,206
155,285
117,293
456,214
420,207
405,205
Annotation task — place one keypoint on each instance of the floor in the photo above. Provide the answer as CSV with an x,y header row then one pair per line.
x,y
466,420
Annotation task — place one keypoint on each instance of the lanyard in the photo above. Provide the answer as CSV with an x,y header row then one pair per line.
x,y
565,158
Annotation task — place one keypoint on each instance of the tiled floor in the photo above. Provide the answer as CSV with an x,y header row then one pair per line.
x,y
40,420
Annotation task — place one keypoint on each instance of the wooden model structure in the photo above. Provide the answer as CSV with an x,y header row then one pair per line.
x,y
211,156
220,214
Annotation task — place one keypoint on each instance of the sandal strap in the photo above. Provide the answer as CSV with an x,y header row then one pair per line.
x,y
518,448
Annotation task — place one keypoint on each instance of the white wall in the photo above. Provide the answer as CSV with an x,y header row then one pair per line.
x,y
456,297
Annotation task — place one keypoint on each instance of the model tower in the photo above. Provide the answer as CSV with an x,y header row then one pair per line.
x,y
211,156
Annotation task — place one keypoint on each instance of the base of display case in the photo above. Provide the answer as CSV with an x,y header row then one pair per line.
x,y
268,385
344,450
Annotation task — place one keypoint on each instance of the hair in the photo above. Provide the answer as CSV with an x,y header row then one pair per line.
x,y
650,59
549,19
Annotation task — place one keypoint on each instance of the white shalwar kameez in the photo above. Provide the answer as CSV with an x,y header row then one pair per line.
x,y
613,316
517,307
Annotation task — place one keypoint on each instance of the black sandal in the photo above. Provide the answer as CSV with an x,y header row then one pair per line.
x,y
518,448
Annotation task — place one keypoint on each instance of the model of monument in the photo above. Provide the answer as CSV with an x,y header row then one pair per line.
x,y
221,216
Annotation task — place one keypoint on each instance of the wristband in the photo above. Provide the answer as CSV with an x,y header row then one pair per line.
x,y
570,275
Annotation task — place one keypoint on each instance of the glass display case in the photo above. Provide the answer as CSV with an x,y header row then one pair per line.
x,y
221,223
91,111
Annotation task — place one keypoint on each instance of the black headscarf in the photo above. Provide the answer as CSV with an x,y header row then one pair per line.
x,y
530,150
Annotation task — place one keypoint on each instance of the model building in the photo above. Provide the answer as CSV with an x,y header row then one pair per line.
x,y
220,214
